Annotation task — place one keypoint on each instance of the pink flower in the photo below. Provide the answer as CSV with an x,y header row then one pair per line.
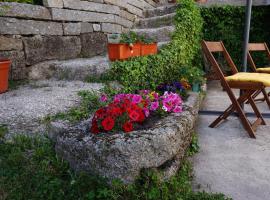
x,y
177,109
103,98
154,106
146,112
136,98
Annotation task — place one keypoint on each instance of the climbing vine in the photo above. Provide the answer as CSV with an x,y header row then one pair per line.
x,y
148,72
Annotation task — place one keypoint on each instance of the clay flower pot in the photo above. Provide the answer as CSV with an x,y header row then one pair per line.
x,y
123,51
149,49
4,70
201,1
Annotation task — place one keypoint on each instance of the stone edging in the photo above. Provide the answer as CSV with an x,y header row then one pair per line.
x,y
119,156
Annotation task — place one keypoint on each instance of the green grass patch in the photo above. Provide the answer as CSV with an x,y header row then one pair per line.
x,y
89,103
3,130
30,169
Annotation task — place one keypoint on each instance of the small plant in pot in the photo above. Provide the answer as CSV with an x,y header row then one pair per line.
x,y
123,46
194,75
4,71
148,46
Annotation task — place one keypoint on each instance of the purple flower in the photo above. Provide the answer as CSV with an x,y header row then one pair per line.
x,y
146,112
103,98
177,109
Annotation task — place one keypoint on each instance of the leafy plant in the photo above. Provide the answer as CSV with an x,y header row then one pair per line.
x,y
129,38
149,71
192,74
30,169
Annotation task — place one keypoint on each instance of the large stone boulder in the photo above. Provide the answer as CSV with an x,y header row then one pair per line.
x,y
123,156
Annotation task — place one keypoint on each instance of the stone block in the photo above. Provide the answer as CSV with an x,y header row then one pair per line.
x,y
126,15
86,27
53,3
24,10
91,6
111,28
18,69
96,27
123,22
81,16
128,7
72,28
10,43
41,48
123,156
93,44
12,26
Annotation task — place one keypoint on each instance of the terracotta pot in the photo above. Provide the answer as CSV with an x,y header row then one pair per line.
x,y
4,70
123,51
149,49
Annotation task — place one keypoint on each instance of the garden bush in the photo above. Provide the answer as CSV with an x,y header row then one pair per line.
x,y
227,23
148,72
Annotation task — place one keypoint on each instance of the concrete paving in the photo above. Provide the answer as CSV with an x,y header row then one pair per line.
x,y
230,162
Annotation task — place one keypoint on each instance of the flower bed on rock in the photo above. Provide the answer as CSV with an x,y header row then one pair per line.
x,y
114,155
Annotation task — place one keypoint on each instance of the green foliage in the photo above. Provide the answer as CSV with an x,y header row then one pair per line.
x,y
227,24
129,38
3,131
36,2
89,103
30,169
194,145
149,71
192,74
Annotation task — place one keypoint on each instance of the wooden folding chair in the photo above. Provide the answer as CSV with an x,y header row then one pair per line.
x,y
259,47
247,82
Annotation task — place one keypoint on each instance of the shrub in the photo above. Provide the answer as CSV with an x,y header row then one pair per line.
x,y
226,23
148,72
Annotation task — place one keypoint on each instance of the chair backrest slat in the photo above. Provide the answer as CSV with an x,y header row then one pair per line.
x,y
253,47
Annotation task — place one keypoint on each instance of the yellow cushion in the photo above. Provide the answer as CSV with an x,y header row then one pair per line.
x,y
250,77
264,70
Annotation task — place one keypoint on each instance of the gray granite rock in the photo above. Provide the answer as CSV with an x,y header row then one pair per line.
x,y
111,28
75,69
93,44
86,27
72,28
10,43
91,6
81,16
123,156
26,11
18,69
53,3
96,27
12,26
41,48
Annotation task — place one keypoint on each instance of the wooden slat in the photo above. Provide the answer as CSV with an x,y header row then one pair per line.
x,y
214,46
256,124
256,47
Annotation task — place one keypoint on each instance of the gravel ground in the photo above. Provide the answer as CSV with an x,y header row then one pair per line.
x,y
229,161
22,109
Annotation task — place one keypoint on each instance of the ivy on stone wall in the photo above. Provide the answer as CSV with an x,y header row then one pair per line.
x,y
226,23
148,72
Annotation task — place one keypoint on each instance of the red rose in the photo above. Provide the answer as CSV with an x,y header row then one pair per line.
x,y
94,128
108,123
128,127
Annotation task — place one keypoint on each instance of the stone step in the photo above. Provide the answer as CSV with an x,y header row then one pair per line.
x,y
155,22
23,109
159,11
75,69
161,34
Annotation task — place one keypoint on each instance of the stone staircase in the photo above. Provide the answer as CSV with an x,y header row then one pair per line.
x,y
157,24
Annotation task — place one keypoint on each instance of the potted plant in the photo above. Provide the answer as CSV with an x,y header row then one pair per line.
x,y
4,70
194,75
127,46
148,46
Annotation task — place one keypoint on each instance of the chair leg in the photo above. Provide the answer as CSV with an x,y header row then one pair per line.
x,y
256,111
266,97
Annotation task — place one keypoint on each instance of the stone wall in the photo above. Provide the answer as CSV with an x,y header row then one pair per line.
x,y
62,29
